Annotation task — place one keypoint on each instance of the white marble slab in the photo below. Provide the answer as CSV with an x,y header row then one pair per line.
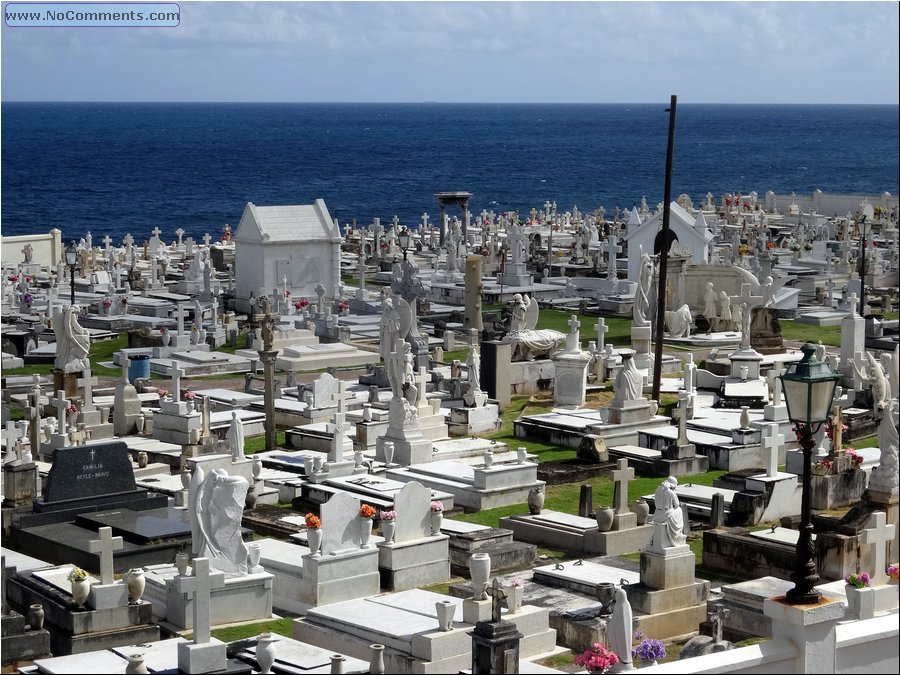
x,y
589,573
781,535
91,662
418,602
558,517
161,655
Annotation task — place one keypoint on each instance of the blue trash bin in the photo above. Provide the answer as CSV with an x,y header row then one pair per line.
x,y
139,367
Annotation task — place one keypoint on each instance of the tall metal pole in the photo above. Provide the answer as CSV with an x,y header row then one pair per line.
x,y
664,255
862,278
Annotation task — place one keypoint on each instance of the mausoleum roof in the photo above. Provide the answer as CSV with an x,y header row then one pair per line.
x,y
280,224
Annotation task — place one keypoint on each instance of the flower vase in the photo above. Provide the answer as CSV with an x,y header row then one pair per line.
x,y
185,479
314,540
166,339
136,664
488,459
535,501
514,597
521,455
265,653
437,518
136,583
251,497
388,453
139,424
80,592
388,527
181,563
365,532
257,467
337,664
36,616
254,553
376,660
604,518
642,509
480,572
189,403
201,336
142,459
445,611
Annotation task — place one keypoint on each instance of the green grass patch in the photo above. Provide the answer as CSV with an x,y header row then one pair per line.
x,y
444,587
803,332
280,626
564,662
258,443
867,442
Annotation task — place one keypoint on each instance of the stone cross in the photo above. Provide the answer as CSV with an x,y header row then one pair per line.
x,y
88,383
621,475
772,442
200,586
129,242
611,248
179,233
180,314
837,434
61,403
602,329
424,221
126,362
107,240
497,598
688,378
104,546
342,397
337,438
421,383
154,272
878,537
854,301
207,238
681,413
773,379
215,311
573,339
156,231
177,374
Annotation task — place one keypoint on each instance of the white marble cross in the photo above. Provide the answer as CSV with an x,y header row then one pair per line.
x,y
621,475
611,248
215,311
337,438
207,238
424,221
200,586
854,301
107,240
156,231
177,374
773,379
179,233
61,403
104,547
878,537
342,397
772,442
154,272
126,362
128,240
180,314
602,329
88,383
421,383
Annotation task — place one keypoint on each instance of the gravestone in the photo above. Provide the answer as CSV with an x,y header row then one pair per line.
x,y
86,472
413,507
340,524
765,331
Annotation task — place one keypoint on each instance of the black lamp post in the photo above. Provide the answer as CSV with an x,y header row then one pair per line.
x,y
808,393
71,259
404,238
864,229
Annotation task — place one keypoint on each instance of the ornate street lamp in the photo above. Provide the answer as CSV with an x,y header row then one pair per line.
x,y
404,238
808,387
71,259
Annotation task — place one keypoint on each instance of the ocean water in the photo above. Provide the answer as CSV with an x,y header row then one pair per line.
x,y
115,168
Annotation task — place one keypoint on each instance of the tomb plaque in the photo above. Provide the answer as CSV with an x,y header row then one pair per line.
x,y
86,471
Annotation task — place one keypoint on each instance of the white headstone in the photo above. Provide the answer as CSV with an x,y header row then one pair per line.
x,y
340,530
413,507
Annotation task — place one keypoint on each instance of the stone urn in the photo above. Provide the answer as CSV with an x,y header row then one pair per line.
x,y
314,540
488,459
604,516
251,498
606,593
521,455
36,616
142,459
166,338
337,664
136,664
136,583
181,563
514,596
80,591
376,660
642,509
265,652
437,519
535,501
257,466
388,527
480,572
445,610
254,553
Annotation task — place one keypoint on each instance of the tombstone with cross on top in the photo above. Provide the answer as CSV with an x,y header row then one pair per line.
x,y
772,442
204,649
104,547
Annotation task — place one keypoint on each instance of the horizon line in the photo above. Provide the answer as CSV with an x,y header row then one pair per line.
x,y
499,103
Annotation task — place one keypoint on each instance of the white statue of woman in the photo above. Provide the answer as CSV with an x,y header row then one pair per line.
x,y
235,437
220,506
629,382
667,519
885,477
518,322
642,292
390,327
473,366
709,306
737,316
73,343
725,315
619,630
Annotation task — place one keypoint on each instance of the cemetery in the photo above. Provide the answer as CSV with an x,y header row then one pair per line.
x,y
485,442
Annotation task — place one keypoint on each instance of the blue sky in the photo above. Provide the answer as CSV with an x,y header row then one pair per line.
x,y
705,52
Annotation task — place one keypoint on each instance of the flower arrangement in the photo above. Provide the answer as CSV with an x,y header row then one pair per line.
x,y
163,330
286,293
597,658
858,580
770,245
366,511
194,329
77,574
162,392
807,247
517,582
123,299
387,515
72,409
794,247
107,303
13,277
28,298
189,395
893,571
300,304
344,305
384,246
437,507
743,249
650,650
829,429
313,522
855,456
823,467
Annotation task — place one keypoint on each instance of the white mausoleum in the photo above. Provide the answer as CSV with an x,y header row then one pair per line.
x,y
302,243
692,233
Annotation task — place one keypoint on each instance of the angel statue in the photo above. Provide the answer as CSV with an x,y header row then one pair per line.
x,y
73,343
527,341
642,292
217,505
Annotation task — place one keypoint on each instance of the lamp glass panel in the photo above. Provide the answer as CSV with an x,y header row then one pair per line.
x,y
796,397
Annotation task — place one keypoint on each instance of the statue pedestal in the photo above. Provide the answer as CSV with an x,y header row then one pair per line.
x,y
66,382
640,343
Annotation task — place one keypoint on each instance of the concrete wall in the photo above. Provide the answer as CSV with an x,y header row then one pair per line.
x,y
47,248
830,203
724,278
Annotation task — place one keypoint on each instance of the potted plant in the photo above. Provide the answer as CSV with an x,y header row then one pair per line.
x,y
857,584
313,533
437,517
893,572
649,651
81,586
388,524
597,659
